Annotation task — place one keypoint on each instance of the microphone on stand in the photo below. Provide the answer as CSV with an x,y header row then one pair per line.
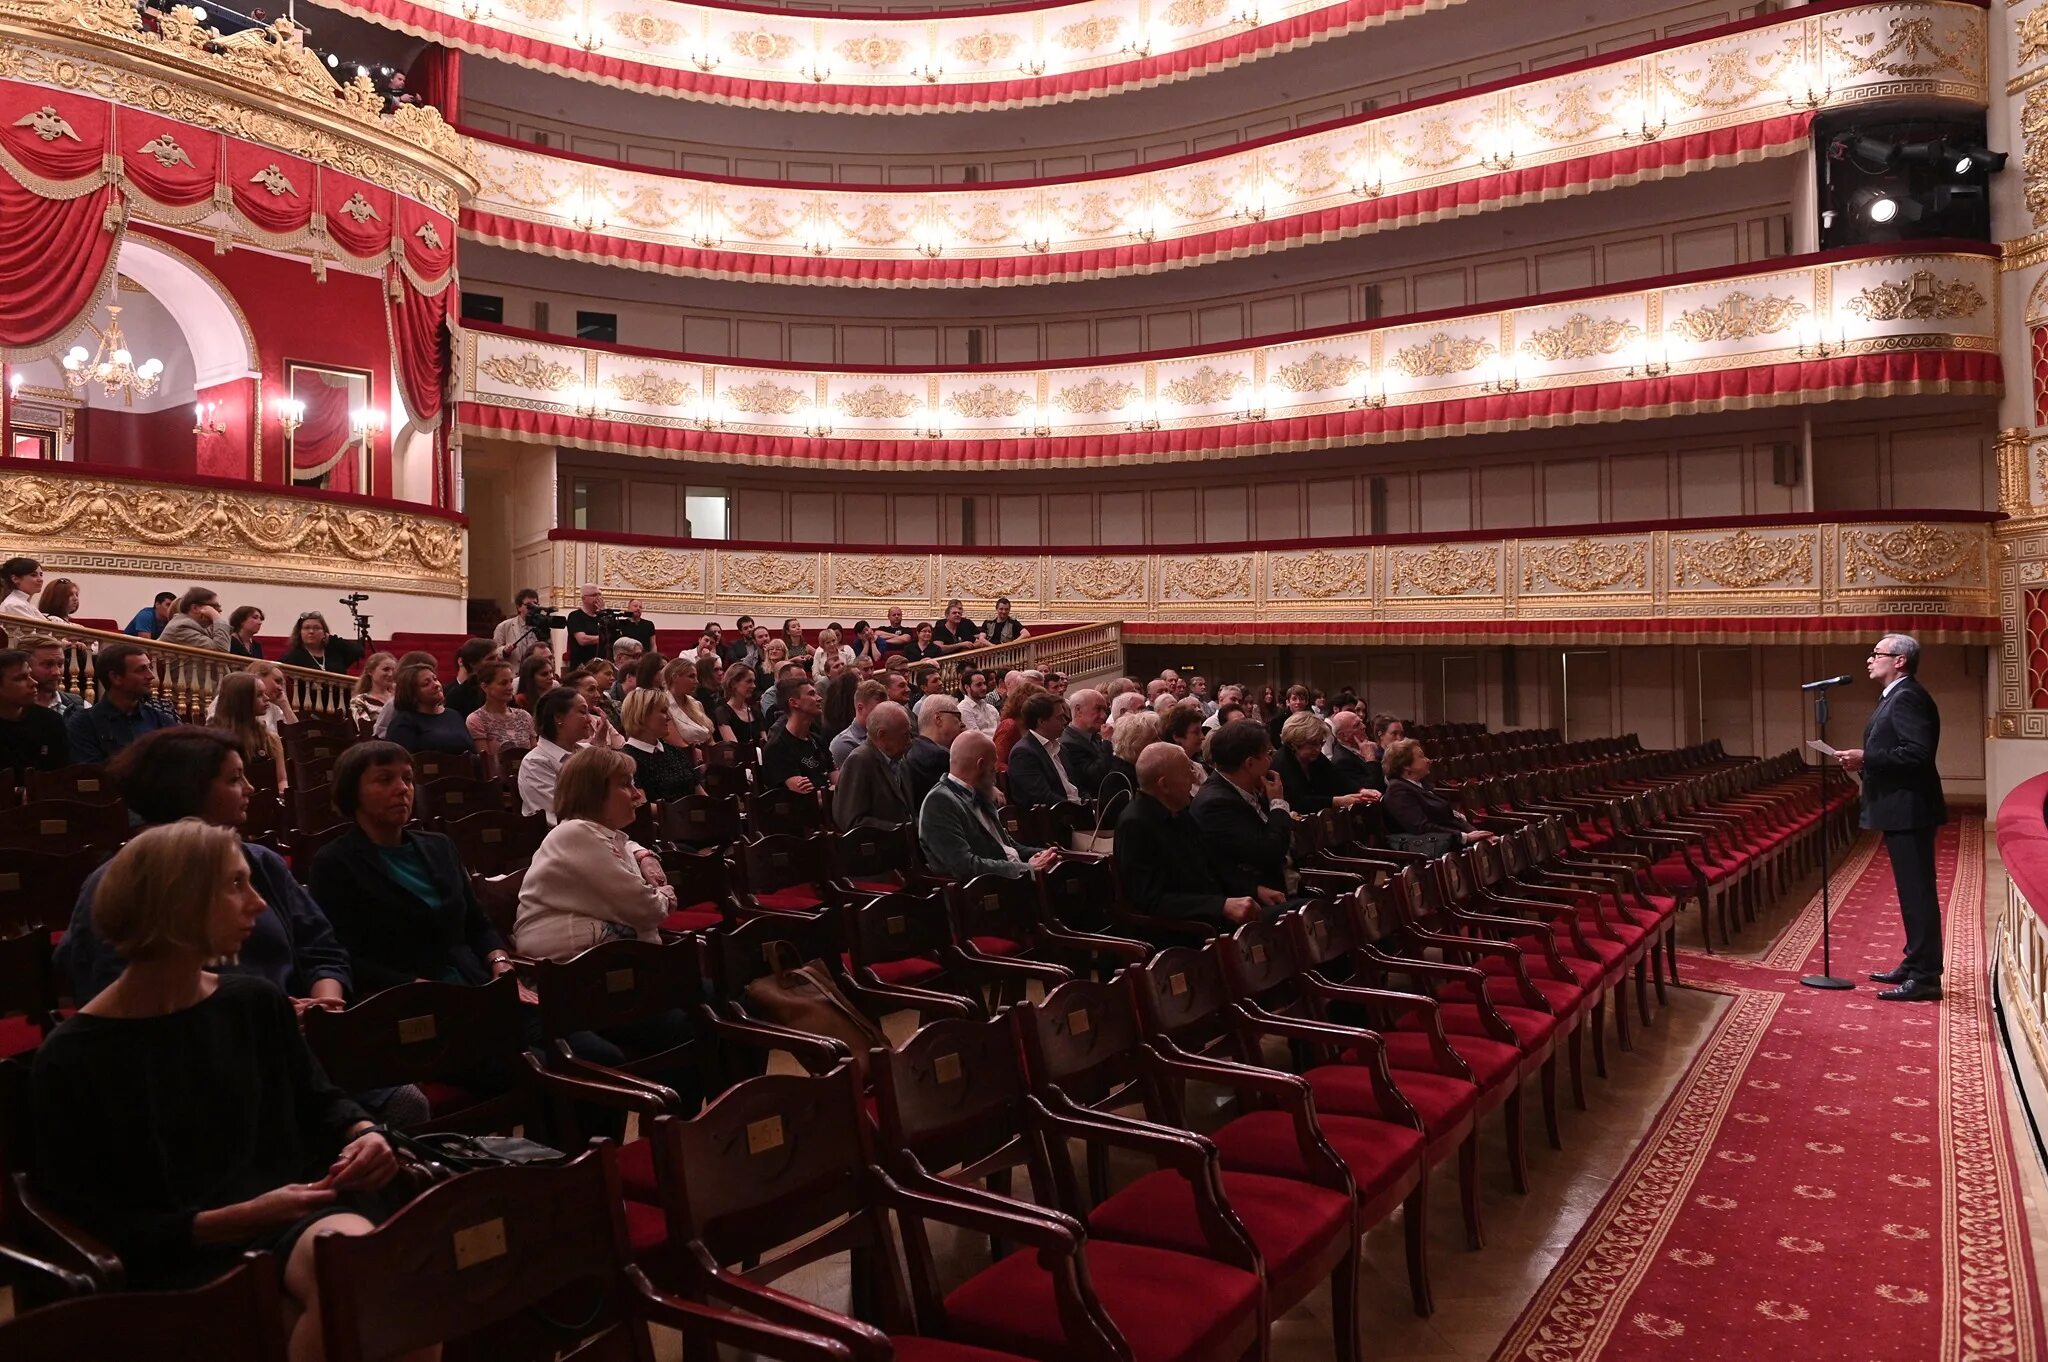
x,y
1827,682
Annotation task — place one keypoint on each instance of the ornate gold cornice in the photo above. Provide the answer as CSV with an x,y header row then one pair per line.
x,y
1750,571
261,85
180,531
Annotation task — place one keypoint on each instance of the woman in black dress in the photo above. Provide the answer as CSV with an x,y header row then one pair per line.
x,y
179,1115
737,719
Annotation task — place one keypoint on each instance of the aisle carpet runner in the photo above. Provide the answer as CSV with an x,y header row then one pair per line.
x,y
1832,1177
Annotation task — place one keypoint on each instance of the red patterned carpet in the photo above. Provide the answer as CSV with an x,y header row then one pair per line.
x,y
1832,1177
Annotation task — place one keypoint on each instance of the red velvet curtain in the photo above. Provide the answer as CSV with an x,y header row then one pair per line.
x,y
437,79
61,226
422,285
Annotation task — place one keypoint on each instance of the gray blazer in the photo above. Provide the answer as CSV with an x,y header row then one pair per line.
x,y
869,792
958,843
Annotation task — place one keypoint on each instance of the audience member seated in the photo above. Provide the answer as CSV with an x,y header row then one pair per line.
x,y
61,601
1162,860
380,727
374,689
1003,628
893,639
1133,735
736,648
1010,728
238,710
585,884
537,676
626,656
831,650
562,721
197,623
1124,704
243,627
955,632
1298,699
1386,731
21,586
1358,761
126,710
976,710
398,897
796,756
957,826
1412,803
1311,780
1083,751
869,791
662,772
498,727
938,725
794,649
31,738
603,733
862,697
1035,774
46,665
1242,817
924,644
179,1116
466,696
690,725
314,647
149,621
421,720
738,722
1180,723
603,677
896,683
867,649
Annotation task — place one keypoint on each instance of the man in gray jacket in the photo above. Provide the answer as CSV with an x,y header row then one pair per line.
x,y
870,790
958,827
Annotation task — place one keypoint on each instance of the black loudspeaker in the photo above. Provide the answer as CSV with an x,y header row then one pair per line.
x,y
1788,463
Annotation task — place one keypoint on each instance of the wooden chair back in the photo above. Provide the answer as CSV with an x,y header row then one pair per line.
x,y
1182,996
495,841
85,784
953,1095
444,1035
451,797
896,926
784,861
875,854
1083,1037
619,984
63,825
428,767
996,905
38,889
237,1317
782,810
699,820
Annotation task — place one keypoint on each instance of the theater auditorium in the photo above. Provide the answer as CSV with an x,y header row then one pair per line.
x,y
1053,681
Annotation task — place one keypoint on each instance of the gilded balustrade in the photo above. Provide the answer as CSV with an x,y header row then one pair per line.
x,y
1084,653
186,678
1794,575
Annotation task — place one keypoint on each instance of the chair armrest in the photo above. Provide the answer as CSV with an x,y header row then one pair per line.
x,y
1370,1052
749,1335
1286,1091
912,1190
578,1080
52,1280
878,1000
1448,1061
704,1277
1121,948
57,1234
1194,932
818,1054
969,959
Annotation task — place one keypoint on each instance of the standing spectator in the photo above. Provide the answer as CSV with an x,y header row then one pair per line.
x,y
243,626
536,678
149,621
562,722
250,1146
956,633
661,771
1004,628
60,601
46,658
640,630
421,720
238,712
796,757
938,727
31,737
866,695
976,711
466,696
373,689
870,791
314,647
126,709
514,636
736,718
586,629
21,586
498,726
197,623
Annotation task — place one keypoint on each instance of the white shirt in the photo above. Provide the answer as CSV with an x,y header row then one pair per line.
x,y
1052,750
1891,687
979,715
20,606
538,770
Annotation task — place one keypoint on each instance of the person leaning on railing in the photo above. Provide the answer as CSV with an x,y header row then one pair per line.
x,y
315,649
197,623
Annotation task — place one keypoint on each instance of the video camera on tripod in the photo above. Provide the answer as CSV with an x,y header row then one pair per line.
x,y
354,600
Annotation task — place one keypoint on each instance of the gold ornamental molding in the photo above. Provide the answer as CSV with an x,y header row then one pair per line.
x,y
261,85
1703,102
181,531
1809,329
1779,577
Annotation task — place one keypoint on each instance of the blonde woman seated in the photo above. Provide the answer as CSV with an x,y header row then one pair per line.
x,y
238,708
585,885
689,725
374,689
661,770
1134,734
179,1116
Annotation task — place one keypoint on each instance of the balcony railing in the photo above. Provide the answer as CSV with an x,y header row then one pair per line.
x,y
2020,968
1086,652
186,678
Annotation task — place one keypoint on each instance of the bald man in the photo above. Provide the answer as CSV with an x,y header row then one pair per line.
x,y
957,825
939,723
1161,856
1356,757
869,791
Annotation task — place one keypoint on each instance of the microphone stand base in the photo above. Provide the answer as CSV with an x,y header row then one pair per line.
x,y
1826,981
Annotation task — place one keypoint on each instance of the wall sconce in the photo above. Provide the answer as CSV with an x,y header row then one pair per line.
x,y
1255,408
1147,420
1369,179
587,39
1140,48
816,426
1252,209
14,385
704,60
364,423
583,401
1499,155
930,244
1650,126
1372,392
1808,87
206,419
585,216
1503,375
1820,340
290,413
1649,360
1037,238
1248,16
929,72
474,10
707,415
1039,426
934,427
816,70
1033,64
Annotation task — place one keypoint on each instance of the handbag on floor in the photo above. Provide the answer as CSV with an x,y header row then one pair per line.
x,y
803,997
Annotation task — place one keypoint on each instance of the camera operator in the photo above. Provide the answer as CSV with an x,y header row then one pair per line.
x,y
633,626
530,625
587,627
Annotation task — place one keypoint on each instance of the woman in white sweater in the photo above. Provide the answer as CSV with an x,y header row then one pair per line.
x,y
585,886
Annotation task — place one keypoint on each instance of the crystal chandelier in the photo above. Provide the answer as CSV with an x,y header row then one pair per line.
x,y
111,366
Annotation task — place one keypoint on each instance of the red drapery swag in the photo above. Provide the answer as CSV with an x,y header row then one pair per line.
x,y
73,164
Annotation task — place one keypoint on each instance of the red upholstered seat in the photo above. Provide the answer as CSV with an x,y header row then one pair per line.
x,y
797,898
913,1348
1441,1100
18,1036
443,1098
995,945
1564,998
698,917
1585,973
1531,1028
1377,1152
636,1171
1169,1306
911,969
1491,1061
646,1227
1288,1220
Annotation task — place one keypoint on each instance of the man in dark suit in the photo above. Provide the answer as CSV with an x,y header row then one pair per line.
x,y
870,790
1240,813
938,726
1036,777
1082,750
1355,756
1902,799
1162,860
